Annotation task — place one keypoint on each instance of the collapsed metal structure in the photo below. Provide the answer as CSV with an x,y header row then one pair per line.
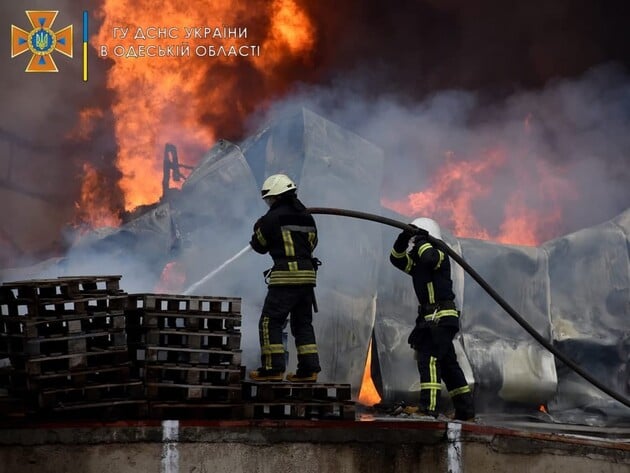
x,y
575,290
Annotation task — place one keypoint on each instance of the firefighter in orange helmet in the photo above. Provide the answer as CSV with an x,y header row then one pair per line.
x,y
288,233
437,321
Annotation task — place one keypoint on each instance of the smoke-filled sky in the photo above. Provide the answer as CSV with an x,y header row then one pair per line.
x,y
557,156
542,88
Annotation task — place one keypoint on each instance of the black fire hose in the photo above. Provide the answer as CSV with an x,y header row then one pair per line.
x,y
522,322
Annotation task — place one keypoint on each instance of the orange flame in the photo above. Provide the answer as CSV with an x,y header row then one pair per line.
x,y
87,122
290,30
453,193
530,214
155,97
172,279
188,99
368,395
94,207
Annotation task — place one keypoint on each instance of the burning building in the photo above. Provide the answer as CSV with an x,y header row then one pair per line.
x,y
573,290
507,123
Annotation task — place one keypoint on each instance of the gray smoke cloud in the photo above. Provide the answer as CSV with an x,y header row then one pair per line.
x,y
41,109
564,148
41,151
386,71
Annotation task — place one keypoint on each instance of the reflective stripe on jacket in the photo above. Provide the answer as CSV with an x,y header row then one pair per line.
x,y
430,270
289,234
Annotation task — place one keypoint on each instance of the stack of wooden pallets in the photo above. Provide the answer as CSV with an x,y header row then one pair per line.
x,y
66,342
188,352
297,401
80,347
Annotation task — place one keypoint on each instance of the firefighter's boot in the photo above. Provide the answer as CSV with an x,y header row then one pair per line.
x,y
302,377
266,375
464,407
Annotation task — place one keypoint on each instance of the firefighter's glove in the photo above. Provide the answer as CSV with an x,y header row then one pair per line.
x,y
403,240
419,232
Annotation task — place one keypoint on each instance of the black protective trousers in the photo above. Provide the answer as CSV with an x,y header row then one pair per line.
x,y
279,303
437,361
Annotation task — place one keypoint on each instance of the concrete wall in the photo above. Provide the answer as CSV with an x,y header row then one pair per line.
x,y
305,447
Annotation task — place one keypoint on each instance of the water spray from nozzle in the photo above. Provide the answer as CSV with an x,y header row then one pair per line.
x,y
211,274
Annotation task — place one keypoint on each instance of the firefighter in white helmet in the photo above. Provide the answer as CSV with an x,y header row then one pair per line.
x,y
437,321
288,233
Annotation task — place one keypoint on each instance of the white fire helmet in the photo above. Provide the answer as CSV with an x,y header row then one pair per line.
x,y
429,225
276,185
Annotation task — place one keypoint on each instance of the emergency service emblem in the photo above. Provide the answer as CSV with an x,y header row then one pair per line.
x,y
41,41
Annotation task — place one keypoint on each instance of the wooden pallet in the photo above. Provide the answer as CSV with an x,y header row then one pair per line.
x,y
274,391
164,391
297,400
192,322
251,411
120,373
63,345
189,374
300,410
193,356
104,411
70,362
43,327
179,304
65,396
196,410
61,288
203,339
59,308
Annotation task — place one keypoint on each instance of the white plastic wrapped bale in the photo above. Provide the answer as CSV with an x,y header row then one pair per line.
x,y
589,275
221,189
510,367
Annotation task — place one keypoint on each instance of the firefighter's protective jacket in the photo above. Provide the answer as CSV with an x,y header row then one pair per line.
x,y
289,234
430,269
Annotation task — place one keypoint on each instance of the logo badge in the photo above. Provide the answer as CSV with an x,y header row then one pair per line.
x,y
41,41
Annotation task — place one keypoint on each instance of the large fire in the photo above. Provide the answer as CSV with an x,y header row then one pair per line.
x,y
188,100
191,101
530,210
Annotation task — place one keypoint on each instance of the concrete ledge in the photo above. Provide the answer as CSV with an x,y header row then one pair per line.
x,y
302,446
247,432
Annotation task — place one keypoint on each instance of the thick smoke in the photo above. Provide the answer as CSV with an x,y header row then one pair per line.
x,y
412,48
563,149
42,111
42,147
398,58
